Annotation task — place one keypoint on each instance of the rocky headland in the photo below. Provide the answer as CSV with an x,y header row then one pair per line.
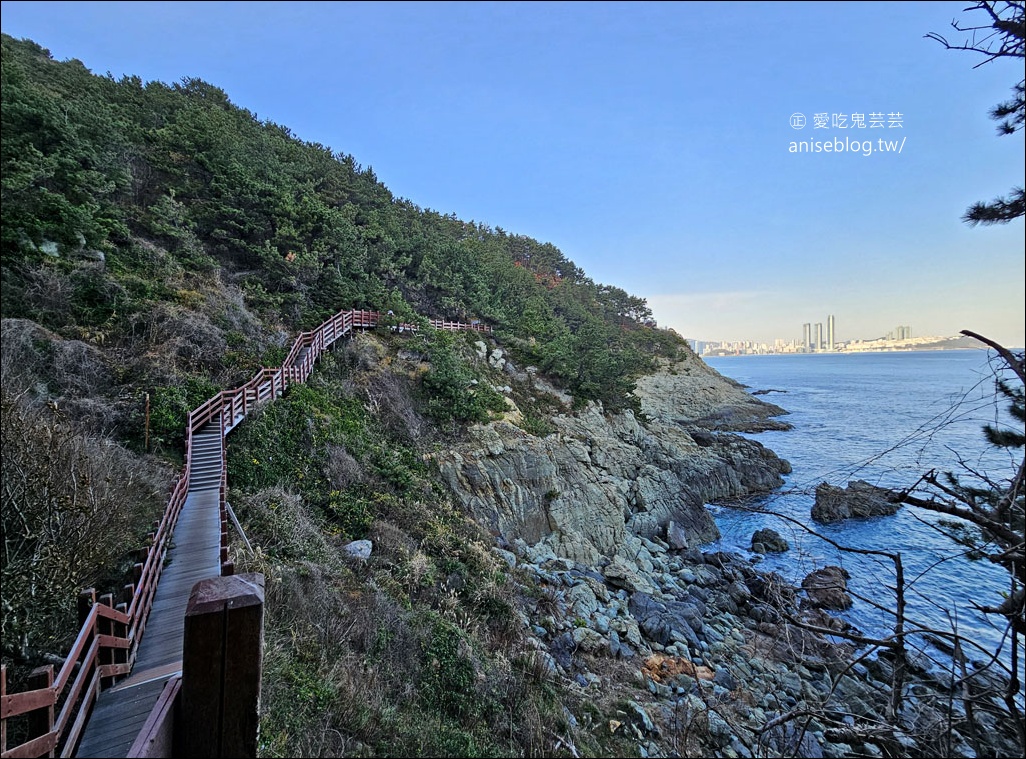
x,y
694,653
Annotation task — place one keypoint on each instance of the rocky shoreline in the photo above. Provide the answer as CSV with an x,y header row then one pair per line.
x,y
685,652
701,654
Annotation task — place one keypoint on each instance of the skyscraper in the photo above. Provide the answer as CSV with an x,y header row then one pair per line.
x,y
807,337
819,336
830,333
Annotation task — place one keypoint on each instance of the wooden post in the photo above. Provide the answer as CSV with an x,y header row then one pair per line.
x,y
40,721
3,723
105,626
86,599
221,667
124,628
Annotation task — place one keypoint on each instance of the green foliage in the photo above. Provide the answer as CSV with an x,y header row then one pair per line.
x,y
1008,437
61,174
454,391
312,695
292,442
170,406
447,680
132,210
351,511
90,163
998,32
537,425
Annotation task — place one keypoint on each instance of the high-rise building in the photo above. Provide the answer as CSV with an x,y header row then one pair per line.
x,y
830,333
819,336
807,337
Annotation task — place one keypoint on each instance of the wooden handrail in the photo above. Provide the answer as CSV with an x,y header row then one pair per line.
x,y
19,703
228,407
79,682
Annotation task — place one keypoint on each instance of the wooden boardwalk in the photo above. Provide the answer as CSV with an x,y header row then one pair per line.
x,y
121,711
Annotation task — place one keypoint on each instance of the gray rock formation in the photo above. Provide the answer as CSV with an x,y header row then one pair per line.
x,y
768,541
358,549
827,588
693,393
602,484
859,499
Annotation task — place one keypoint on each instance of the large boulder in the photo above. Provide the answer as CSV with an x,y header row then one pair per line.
x,y
666,622
358,549
768,541
827,588
859,499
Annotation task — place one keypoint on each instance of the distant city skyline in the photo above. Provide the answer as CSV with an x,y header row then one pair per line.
x,y
815,338
649,142
820,336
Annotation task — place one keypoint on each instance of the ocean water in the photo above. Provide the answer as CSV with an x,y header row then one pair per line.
x,y
885,418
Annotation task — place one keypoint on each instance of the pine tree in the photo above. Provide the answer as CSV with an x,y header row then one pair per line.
x,y
1001,35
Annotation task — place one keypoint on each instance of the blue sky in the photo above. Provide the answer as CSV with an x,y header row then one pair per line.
x,y
649,142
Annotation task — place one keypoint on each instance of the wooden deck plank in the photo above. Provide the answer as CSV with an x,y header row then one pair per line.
x,y
142,675
133,703
188,570
116,746
122,714
160,645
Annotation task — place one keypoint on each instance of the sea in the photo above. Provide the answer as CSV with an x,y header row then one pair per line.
x,y
885,418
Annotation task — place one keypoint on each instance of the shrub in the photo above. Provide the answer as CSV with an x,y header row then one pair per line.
x,y
74,506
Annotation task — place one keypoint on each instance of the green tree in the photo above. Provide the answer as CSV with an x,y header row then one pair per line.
x,y
1001,33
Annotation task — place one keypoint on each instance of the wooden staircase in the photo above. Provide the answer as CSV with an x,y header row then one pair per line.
x,y
121,711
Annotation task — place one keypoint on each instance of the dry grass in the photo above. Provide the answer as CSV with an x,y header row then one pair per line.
x,y
74,507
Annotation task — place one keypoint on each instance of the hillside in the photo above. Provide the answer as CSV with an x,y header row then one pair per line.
x,y
125,202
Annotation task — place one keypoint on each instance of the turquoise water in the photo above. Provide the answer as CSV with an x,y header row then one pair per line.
x,y
885,418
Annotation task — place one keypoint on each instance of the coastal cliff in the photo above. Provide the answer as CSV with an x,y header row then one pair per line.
x,y
690,392
600,483
691,652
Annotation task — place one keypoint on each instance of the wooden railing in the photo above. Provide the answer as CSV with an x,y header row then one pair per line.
x,y
109,637
104,650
